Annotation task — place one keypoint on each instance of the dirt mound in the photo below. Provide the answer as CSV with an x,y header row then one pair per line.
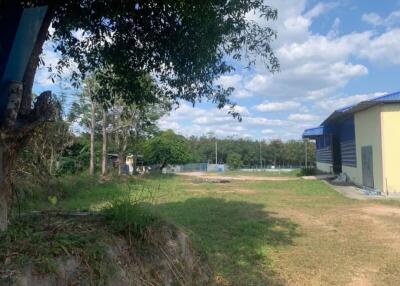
x,y
210,181
229,191
82,250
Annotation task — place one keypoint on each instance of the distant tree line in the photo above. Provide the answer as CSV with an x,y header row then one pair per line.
x,y
248,153
236,152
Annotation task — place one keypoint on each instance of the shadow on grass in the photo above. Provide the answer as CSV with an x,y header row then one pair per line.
x,y
238,237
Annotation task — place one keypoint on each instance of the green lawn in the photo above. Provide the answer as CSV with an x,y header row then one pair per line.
x,y
265,232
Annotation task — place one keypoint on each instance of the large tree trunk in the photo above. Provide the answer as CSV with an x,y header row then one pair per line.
x,y
14,136
52,161
8,151
163,165
121,163
92,128
122,152
8,156
104,151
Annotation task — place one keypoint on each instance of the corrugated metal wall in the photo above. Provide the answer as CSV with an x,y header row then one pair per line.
x,y
348,142
324,149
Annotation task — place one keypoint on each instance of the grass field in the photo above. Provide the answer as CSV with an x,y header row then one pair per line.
x,y
294,232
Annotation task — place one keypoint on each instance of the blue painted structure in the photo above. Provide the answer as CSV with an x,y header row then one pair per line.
x,y
18,34
335,137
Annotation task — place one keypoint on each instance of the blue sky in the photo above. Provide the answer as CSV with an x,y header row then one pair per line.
x,y
332,54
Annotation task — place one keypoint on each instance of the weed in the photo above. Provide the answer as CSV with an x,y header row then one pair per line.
x,y
131,215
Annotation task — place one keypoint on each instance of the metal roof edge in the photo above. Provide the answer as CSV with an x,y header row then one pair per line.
x,y
363,105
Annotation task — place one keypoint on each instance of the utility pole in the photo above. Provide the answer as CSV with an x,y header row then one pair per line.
x,y
216,152
306,147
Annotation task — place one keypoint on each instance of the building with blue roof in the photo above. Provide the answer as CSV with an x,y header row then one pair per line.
x,y
362,141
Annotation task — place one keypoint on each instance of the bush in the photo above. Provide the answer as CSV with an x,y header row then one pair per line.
x,y
308,171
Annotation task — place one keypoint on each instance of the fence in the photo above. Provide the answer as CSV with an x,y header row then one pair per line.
x,y
194,167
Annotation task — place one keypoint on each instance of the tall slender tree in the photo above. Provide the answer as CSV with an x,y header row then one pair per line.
x,y
92,135
104,145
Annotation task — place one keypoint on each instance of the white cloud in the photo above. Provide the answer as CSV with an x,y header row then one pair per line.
x,y
242,93
384,48
334,32
319,9
258,83
238,108
277,106
261,121
267,131
340,102
237,82
390,21
166,124
311,63
372,18
212,120
198,121
303,117
230,80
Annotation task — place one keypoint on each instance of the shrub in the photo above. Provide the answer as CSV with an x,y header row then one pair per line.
x,y
308,171
132,215
131,219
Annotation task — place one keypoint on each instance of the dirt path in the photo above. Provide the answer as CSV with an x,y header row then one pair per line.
x,y
207,176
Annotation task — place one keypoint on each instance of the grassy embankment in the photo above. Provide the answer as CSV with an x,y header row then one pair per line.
x,y
264,232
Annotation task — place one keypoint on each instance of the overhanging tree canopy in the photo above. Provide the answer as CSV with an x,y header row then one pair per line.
x,y
184,44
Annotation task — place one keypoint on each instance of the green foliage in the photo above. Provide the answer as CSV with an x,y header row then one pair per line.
x,y
75,157
81,109
167,148
276,152
234,161
45,147
186,45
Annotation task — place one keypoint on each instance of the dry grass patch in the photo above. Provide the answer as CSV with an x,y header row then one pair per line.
x,y
341,247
